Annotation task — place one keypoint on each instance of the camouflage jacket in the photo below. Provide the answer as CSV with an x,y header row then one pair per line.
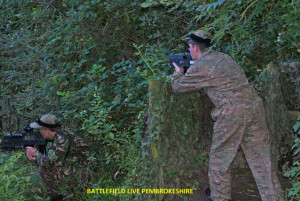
x,y
66,150
222,79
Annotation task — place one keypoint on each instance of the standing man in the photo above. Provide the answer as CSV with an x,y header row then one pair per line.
x,y
239,118
62,166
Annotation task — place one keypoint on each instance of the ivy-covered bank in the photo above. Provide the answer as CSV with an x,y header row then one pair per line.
x,y
89,62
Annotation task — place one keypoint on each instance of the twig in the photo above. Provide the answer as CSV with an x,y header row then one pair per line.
x,y
293,4
143,58
30,24
248,8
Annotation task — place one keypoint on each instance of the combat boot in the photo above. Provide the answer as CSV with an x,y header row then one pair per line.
x,y
57,198
207,195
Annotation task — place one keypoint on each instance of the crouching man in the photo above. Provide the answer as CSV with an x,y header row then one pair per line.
x,y
63,164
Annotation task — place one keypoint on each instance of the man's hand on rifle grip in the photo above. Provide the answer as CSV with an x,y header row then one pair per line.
x,y
177,68
31,153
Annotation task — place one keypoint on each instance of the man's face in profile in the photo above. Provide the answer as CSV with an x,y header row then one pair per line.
x,y
46,133
193,51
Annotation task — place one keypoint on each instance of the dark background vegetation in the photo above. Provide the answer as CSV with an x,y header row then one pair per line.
x,y
89,62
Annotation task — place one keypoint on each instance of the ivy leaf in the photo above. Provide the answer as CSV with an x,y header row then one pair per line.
x,y
149,4
296,127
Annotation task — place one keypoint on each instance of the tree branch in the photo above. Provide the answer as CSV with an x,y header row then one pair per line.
x,y
248,8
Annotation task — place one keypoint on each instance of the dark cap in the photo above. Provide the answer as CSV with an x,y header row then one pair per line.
x,y
199,36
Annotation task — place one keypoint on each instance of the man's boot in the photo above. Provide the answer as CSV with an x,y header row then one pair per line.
x,y
57,198
207,195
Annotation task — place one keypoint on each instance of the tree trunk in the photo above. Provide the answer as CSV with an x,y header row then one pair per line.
x,y
277,119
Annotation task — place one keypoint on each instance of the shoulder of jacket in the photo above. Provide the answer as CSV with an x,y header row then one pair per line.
x,y
62,136
214,53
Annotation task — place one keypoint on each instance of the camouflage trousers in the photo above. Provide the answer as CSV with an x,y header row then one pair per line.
x,y
244,125
65,181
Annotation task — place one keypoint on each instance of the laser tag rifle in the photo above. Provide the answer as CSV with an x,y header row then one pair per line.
x,y
182,60
20,141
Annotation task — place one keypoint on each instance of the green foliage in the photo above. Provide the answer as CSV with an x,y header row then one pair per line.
x,y
294,173
255,33
17,181
153,65
198,159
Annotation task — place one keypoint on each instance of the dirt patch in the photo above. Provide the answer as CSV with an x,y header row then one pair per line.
x,y
243,186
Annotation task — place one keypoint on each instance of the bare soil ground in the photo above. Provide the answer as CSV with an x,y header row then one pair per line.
x,y
243,186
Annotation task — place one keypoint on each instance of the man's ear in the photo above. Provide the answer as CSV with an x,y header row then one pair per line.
x,y
198,49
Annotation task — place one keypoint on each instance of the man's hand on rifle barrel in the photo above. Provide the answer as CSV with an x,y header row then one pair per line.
x,y
31,153
177,68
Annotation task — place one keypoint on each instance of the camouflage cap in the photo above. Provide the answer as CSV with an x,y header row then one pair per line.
x,y
202,34
47,120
